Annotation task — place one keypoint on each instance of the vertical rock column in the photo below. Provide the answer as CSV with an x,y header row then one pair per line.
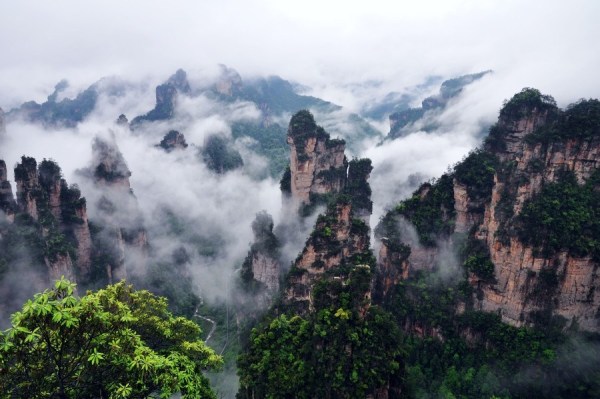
x,y
317,163
7,202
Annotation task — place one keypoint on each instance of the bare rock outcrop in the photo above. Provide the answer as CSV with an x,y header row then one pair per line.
x,y
261,270
60,212
229,82
317,163
339,238
166,99
320,174
26,179
520,269
7,202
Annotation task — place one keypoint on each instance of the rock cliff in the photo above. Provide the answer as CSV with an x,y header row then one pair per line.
x,y
319,174
524,208
229,83
7,202
339,239
318,165
166,99
58,212
328,290
124,241
261,270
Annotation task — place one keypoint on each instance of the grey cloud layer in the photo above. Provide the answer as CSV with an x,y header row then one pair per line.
x,y
549,44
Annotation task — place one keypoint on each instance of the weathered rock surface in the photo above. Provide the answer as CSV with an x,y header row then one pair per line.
x,y
26,179
261,270
517,268
166,99
526,164
317,163
109,166
60,210
337,238
7,202
229,83
320,174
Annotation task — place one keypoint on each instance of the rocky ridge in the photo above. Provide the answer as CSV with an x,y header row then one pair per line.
x,y
320,174
317,163
166,98
57,210
7,202
327,293
491,199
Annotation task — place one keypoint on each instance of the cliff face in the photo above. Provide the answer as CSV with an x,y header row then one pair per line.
x,y
59,212
166,99
338,239
317,163
7,202
526,201
519,268
229,83
324,320
26,178
119,217
320,174
261,270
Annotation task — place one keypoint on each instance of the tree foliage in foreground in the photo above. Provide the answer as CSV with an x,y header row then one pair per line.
x,y
112,343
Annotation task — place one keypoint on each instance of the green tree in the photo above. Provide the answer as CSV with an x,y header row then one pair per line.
x,y
112,343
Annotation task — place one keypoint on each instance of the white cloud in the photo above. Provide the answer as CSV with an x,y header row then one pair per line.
x,y
549,43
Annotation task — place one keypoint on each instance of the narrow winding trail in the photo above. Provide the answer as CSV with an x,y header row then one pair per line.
x,y
211,321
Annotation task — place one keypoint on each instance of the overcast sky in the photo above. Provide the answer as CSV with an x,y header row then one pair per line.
x,y
551,45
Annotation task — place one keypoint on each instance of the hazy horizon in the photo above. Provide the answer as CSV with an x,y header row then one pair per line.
x,y
329,46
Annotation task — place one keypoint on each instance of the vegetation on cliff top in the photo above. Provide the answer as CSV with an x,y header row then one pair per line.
x,y
220,156
430,210
457,352
340,350
302,127
580,120
524,102
563,216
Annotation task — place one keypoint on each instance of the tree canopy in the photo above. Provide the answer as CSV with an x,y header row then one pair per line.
x,y
113,343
